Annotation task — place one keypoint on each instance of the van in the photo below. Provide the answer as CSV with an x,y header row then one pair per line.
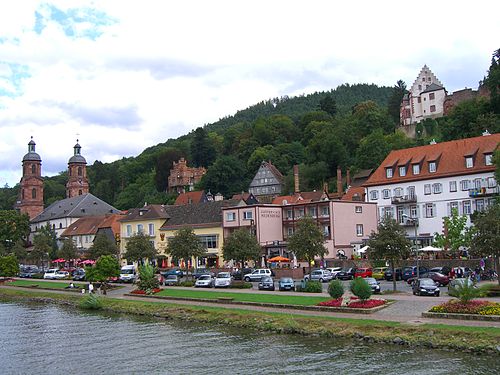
x,y
50,274
128,274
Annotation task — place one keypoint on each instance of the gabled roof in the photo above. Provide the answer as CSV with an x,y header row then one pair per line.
x,y
197,214
90,225
78,206
354,193
148,212
190,197
432,87
450,157
248,198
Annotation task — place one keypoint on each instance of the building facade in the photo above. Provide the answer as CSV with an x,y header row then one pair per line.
x,y
420,186
267,183
183,178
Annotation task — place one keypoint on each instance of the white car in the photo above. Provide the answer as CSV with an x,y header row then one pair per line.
x,y
257,274
334,271
204,281
223,280
60,275
50,273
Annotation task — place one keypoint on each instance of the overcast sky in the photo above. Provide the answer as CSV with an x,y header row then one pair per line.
x,y
125,75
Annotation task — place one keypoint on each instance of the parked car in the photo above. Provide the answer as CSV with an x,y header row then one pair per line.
x,y
363,272
286,283
454,282
174,271
409,272
62,275
257,274
202,271
389,274
205,281
425,286
240,274
438,277
79,274
334,271
266,283
346,274
464,272
374,284
319,275
445,270
378,272
50,273
223,280
171,280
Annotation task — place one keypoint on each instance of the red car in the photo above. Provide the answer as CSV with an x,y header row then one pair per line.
x,y
363,272
437,277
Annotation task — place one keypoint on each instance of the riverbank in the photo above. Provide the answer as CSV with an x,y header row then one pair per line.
x,y
464,338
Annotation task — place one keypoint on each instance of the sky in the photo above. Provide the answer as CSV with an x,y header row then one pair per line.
x,y
123,75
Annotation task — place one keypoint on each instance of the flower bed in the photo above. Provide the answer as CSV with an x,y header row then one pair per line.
x,y
471,307
353,302
139,291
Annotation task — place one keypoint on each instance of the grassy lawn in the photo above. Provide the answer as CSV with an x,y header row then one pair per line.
x,y
45,284
244,297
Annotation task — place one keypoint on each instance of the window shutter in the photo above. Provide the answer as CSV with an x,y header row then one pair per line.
x,y
460,208
434,210
448,207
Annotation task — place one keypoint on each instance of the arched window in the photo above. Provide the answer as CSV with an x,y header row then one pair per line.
x,y
79,171
33,169
22,194
33,193
60,225
80,192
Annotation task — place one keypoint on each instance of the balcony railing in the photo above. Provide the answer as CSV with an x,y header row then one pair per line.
x,y
404,199
408,222
484,191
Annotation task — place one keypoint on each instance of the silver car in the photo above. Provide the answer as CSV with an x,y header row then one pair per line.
x,y
320,275
223,280
204,281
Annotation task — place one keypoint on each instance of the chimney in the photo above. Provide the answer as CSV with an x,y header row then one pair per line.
x,y
325,187
296,178
339,180
348,177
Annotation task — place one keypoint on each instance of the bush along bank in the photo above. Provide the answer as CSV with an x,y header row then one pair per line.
x,y
366,330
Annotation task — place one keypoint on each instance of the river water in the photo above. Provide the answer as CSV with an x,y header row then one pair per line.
x,y
54,340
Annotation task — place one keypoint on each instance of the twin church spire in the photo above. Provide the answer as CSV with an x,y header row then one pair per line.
x,y
30,199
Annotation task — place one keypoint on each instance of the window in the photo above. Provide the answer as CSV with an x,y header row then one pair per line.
x,y
430,210
289,231
416,168
491,182
129,230
469,162
420,88
480,205
80,171
477,183
387,212
453,207
140,228
386,193
209,241
151,229
431,97
413,212
289,214
359,209
419,98
398,192
433,108
464,185
247,215
437,188
388,172
230,216
311,211
402,171
427,189
488,159
374,195
325,211
411,192
359,230
33,169
300,212
432,166
33,193
466,208
326,230
453,186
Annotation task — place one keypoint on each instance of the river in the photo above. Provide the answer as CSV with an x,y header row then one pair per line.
x,y
54,340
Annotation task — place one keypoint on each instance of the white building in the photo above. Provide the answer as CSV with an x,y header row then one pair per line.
x,y
425,99
421,185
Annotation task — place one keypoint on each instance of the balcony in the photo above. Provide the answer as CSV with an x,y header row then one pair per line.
x,y
408,222
404,199
484,192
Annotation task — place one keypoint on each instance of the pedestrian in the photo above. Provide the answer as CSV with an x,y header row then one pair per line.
x,y
91,288
452,273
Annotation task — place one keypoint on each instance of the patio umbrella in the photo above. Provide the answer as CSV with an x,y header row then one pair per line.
x,y
430,248
278,258
88,261
60,260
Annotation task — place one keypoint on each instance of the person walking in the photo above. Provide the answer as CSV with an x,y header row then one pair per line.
x,y
91,288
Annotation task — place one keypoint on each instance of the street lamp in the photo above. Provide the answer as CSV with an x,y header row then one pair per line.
x,y
414,221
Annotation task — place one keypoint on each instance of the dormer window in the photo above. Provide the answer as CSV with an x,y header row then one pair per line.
x,y
388,172
488,159
469,162
402,171
416,168
432,166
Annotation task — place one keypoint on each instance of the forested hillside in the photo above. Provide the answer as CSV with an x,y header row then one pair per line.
x,y
352,126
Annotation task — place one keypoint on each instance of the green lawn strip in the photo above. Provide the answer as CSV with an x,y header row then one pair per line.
x,y
244,297
44,284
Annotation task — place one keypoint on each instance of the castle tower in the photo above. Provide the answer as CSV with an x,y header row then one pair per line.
x,y
78,183
30,200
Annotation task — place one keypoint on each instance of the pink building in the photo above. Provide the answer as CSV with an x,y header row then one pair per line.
x,y
346,225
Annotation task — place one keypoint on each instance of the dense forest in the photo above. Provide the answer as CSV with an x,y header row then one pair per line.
x,y
352,126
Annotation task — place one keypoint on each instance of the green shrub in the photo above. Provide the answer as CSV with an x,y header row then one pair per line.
x,y
466,292
147,279
336,289
240,285
91,302
186,283
361,289
310,287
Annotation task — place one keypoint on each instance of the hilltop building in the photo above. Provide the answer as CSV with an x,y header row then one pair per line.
x,y
183,178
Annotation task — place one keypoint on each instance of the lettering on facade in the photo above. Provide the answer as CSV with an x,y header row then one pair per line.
x,y
270,214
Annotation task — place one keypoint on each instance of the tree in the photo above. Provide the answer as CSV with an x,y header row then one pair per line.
x,y
455,233
42,245
225,176
13,227
102,245
372,150
147,279
389,243
185,245
105,267
164,164
202,149
19,250
139,248
492,81
47,239
486,235
9,266
307,242
68,250
328,105
496,161
241,246
394,105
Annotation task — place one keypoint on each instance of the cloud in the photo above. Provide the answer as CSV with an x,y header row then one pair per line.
x,y
125,117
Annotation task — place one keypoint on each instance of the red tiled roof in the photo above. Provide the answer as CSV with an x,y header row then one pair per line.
x,y
353,193
112,221
84,225
189,197
449,157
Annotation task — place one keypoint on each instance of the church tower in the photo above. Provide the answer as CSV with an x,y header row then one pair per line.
x,y
30,199
78,183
